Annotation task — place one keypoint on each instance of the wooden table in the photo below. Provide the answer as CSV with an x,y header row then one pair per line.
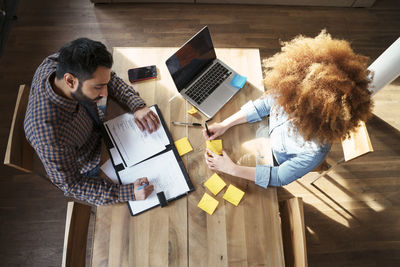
x,y
182,234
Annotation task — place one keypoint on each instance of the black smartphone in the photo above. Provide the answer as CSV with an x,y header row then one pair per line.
x,y
143,73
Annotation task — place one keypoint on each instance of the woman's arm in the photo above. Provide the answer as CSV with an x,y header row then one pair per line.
x,y
252,111
225,164
266,175
219,128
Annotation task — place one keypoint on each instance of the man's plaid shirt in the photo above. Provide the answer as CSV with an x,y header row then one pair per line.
x,y
63,135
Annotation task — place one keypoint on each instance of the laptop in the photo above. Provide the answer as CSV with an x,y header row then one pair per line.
x,y
199,76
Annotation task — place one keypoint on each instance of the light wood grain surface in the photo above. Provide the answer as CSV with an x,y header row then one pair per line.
x,y
182,234
357,144
293,232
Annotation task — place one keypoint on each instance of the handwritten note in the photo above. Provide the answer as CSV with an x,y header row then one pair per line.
x,y
233,195
164,172
133,144
183,146
215,184
208,203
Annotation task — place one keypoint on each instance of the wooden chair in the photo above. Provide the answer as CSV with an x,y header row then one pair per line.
x,y
293,232
356,145
19,153
76,233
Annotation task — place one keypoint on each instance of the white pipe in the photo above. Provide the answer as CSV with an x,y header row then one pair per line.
x,y
385,68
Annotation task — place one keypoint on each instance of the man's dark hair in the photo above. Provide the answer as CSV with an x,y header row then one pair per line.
x,y
81,58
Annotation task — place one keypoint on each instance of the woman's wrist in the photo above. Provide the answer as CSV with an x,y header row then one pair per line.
x,y
237,118
243,172
235,170
225,124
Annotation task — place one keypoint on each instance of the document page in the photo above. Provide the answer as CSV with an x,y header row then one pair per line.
x,y
163,172
133,144
108,169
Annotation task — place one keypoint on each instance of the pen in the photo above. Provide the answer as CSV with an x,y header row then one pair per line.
x,y
208,132
186,123
142,186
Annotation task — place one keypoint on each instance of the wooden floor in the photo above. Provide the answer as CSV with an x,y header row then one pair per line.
x,y
352,219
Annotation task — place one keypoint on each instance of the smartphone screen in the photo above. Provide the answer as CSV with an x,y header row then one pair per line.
x,y
143,73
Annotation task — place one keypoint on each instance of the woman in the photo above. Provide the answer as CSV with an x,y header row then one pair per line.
x,y
317,93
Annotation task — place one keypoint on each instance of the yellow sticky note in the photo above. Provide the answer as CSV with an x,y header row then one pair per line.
x,y
215,146
215,184
183,146
208,203
233,195
192,111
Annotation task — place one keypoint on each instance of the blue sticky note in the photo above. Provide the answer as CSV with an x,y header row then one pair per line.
x,y
238,81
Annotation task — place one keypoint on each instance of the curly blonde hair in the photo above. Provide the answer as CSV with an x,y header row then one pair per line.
x,y
321,84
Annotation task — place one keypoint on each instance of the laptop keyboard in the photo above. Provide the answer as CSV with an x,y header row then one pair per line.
x,y
210,80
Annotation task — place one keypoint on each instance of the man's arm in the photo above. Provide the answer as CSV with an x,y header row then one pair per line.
x,y
63,170
124,93
144,117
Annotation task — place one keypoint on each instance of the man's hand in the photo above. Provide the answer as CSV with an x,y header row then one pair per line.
x,y
219,163
146,188
146,119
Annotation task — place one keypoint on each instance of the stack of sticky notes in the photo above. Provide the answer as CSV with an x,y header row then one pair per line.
x,y
192,111
233,195
183,146
208,203
215,146
215,184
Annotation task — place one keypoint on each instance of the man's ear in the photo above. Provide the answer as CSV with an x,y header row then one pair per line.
x,y
70,80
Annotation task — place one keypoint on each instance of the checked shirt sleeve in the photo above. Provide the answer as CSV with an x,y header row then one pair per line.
x,y
62,169
124,93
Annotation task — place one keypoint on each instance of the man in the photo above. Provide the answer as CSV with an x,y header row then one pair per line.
x,y
62,121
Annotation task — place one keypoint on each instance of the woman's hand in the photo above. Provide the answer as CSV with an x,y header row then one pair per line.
x,y
216,129
219,163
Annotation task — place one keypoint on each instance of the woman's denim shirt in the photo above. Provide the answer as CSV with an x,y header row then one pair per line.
x,y
295,156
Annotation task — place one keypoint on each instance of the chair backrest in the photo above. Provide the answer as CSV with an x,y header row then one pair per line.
x,y
357,144
19,153
76,232
293,232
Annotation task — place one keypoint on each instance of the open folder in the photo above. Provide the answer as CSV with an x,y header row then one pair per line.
x,y
136,154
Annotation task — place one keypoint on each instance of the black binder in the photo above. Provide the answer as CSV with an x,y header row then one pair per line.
x,y
121,167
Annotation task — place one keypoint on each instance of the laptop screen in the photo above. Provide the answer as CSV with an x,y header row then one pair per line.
x,y
197,54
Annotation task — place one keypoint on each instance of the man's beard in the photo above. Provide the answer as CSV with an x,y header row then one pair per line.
x,y
88,103
82,98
